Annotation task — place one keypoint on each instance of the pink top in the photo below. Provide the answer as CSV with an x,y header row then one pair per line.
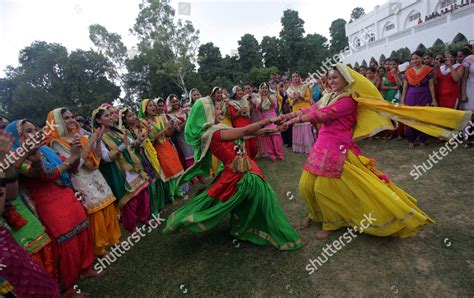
x,y
334,137
271,112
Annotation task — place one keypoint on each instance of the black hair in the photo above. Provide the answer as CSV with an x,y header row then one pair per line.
x,y
418,53
465,51
393,59
372,69
428,54
381,67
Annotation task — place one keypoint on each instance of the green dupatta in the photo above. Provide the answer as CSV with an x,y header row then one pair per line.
x,y
198,132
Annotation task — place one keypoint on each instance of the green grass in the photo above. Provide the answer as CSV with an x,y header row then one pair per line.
x,y
439,261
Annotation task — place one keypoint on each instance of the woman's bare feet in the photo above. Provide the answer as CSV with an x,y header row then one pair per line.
x,y
322,234
307,221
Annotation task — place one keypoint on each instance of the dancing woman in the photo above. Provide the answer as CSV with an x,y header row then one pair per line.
x,y
177,115
152,118
143,147
96,195
240,189
339,185
122,170
46,180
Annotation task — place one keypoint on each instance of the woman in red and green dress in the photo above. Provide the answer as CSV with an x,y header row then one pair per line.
x,y
240,190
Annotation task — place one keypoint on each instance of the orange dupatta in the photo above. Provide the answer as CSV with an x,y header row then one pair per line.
x,y
414,78
59,133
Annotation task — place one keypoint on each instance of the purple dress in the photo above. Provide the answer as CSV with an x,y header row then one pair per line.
x,y
418,95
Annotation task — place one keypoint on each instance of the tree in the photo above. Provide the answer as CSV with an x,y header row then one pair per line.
x,y
337,31
168,46
86,81
291,36
403,54
111,46
271,51
48,78
210,62
314,52
357,13
249,52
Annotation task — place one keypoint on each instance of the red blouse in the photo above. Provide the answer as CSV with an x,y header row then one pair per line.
x,y
225,185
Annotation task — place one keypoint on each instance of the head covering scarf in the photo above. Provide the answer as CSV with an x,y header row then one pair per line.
x,y
189,102
50,160
169,108
149,150
142,108
374,114
265,103
60,134
198,132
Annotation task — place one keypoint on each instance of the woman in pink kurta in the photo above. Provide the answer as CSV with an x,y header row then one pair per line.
x,y
272,142
340,186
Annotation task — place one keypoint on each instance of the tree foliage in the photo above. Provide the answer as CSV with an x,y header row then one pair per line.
x,y
337,31
357,13
48,77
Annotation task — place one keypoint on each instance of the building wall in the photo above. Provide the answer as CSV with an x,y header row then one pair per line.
x,y
406,33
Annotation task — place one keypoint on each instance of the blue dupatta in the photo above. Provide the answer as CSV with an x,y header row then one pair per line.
x,y
50,160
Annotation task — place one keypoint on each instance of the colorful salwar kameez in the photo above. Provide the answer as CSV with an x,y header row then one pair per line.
x,y
339,185
60,212
25,277
272,142
302,133
255,213
95,194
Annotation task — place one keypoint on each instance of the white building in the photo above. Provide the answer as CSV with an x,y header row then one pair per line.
x,y
395,25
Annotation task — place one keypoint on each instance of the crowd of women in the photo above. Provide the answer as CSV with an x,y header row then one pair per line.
x,y
78,186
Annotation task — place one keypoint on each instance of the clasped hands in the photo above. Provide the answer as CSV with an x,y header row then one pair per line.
x,y
285,120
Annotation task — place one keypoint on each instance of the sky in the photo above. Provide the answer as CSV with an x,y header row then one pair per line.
x,y
222,22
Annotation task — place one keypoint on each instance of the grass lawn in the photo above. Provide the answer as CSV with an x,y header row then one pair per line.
x,y
439,261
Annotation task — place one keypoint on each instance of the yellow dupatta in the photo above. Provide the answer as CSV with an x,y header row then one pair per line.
x,y
148,148
374,114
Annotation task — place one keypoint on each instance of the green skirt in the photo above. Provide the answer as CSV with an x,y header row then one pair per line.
x,y
160,196
256,215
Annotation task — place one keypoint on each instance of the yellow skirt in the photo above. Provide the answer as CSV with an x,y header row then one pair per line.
x,y
104,229
360,194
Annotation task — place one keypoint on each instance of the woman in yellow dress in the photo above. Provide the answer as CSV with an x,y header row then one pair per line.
x,y
340,186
